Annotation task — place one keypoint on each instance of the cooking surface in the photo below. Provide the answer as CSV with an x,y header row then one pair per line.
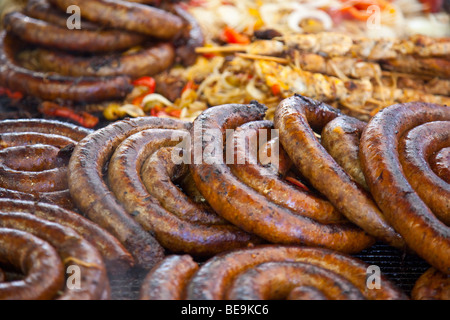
x,y
401,269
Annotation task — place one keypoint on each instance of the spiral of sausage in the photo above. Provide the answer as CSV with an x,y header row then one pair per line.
x,y
31,251
414,150
115,256
432,285
93,196
34,154
169,278
53,87
178,224
391,135
242,205
280,272
247,169
36,259
296,118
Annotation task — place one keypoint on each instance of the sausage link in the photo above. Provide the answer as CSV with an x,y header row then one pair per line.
x,y
340,137
168,279
116,257
58,198
129,16
243,206
295,118
53,87
41,33
53,127
43,10
72,249
34,154
432,285
247,169
158,175
402,206
215,279
92,195
414,151
306,293
191,37
259,282
149,61
265,154
25,177
170,228
440,164
36,259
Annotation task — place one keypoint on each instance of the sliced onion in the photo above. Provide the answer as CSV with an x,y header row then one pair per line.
x,y
297,16
253,91
156,97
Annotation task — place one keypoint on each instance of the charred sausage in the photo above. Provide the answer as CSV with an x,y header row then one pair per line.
x,y
168,279
243,206
92,195
401,205
53,87
296,117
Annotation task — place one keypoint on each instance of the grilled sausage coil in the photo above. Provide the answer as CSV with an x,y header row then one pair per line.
x,y
381,143
53,87
267,272
110,29
33,159
115,256
295,118
242,205
35,258
22,232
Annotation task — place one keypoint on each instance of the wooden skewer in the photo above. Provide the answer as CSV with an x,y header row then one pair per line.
x,y
260,57
233,48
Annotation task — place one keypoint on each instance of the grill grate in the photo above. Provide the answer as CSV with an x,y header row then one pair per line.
x,y
402,269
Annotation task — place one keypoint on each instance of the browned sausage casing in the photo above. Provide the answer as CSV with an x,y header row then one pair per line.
x,y
53,87
415,149
128,16
169,278
432,285
116,257
93,196
246,167
33,159
42,33
149,61
36,259
402,206
72,249
340,137
243,206
219,277
296,117
440,164
43,10
172,229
